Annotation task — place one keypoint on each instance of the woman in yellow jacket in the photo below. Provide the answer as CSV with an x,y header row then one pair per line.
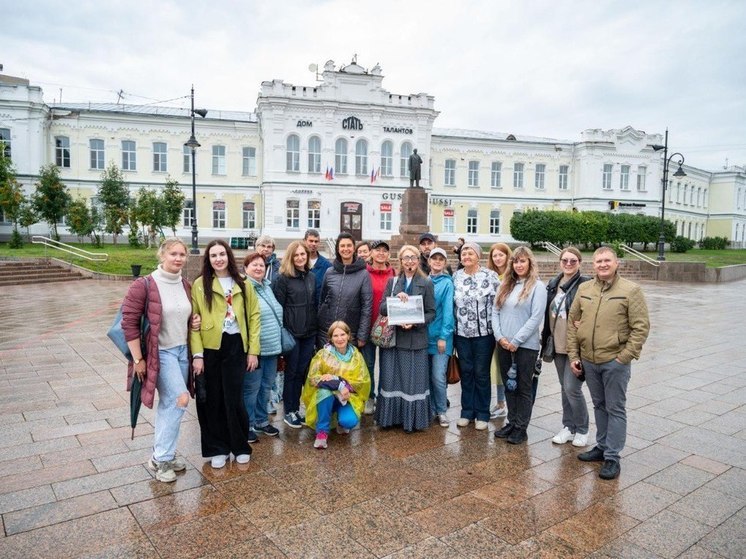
x,y
224,348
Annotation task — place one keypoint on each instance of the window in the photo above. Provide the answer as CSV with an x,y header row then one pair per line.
x,y
563,171
160,163
518,176
340,156
361,157
62,151
699,197
406,151
624,178
606,181
129,155
449,221
218,214
704,198
642,172
314,214
495,222
496,172
187,212
450,175
387,159
187,168
293,154
678,193
473,177
249,215
218,160
670,194
386,221
314,154
471,221
691,196
539,175
686,191
249,162
97,153
5,142
292,213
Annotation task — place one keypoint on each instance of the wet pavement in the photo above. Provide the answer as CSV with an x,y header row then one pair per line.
x,y
73,484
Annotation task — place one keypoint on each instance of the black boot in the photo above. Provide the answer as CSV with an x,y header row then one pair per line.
x,y
504,431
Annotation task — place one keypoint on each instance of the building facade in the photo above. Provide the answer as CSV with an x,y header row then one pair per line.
x,y
334,156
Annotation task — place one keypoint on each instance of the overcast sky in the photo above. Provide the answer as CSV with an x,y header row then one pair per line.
x,y
540,68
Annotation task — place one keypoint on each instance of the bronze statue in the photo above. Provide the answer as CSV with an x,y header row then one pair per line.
x,y
415,168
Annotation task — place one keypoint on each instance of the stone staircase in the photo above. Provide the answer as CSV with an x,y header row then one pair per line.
x,y
19,272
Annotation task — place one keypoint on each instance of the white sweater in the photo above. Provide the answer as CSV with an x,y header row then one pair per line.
x,y
176,309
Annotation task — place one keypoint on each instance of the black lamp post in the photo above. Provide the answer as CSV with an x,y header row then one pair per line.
x,y
193,144
664,184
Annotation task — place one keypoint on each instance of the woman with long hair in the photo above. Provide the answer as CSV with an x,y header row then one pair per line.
x,y
404,381
497,261
225,347
295,291
165,364
560,295
519,310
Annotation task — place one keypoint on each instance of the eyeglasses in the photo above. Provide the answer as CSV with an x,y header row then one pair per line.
x,y
568,261
409,258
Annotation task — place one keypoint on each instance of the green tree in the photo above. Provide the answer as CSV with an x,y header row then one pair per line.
x,y
173,204
151,212
51,197
11,193
114,197
27,216
79,219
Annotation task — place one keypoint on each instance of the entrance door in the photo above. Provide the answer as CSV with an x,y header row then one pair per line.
x,y
351,219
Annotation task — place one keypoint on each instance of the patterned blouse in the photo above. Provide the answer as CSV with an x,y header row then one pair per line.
x,y
474,300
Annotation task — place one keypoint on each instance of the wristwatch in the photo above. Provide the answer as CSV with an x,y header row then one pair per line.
x,y
137,361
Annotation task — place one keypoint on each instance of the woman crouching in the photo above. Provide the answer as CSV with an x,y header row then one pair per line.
x,y
338,383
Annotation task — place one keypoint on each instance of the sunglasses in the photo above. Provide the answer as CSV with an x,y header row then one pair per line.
x,y
568,261
409,258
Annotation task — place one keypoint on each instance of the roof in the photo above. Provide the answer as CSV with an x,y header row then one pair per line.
x,y
154,110
481,135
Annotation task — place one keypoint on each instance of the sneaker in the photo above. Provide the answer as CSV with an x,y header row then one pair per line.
x,y
443,420
610,469
243,458
480,425
504,431
178,464
369,407
341,430
163,470
498,412
269,430
517,436
291,420
320,441
462,422
564,436
218,461
272,410
580,439
593,455
252,436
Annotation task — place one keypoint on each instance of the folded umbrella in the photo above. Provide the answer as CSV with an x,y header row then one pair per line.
x,y
135,402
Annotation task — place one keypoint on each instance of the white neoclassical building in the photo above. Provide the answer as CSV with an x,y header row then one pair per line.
x,y
334,156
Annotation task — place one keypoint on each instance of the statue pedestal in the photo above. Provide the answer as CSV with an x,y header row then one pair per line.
x,y
414,206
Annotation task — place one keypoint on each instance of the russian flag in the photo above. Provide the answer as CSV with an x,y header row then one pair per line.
x,y
374,174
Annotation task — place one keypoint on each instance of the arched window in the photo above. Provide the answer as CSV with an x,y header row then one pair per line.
x,y
314,154
387,159
293,153
406,151
361,157
340,156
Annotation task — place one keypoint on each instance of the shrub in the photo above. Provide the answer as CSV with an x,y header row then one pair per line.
x,y
714,243
681,244
16,241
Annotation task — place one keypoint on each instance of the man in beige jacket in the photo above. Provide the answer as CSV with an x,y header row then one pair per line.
x,y
607,325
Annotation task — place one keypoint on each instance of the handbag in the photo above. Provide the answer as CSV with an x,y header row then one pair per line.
x,y
382,333
116,333
287,340
453,372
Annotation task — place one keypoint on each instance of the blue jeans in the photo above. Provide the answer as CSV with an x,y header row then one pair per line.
x,y
172,379
607,383
327,405
257,385
574,408
369,354
438,386
474,355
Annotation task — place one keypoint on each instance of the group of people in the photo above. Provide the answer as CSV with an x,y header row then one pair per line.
x,y
227,330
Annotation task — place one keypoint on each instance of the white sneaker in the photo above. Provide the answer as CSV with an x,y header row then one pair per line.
x,y
462,422
480,425
341,430
243,458
443,420
369,407
497,412
580,439
218,461
564,436
163,470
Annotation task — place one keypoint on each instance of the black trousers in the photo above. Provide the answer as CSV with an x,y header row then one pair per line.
x,y
223,421
521,400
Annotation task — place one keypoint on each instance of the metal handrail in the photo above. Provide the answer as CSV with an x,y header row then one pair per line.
x,y
330,245
75,251
551,247
640,255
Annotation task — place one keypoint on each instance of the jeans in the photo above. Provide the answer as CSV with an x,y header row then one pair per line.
x,y
296,369
172,379
574,408
369,354
327,404
257,385
521,400
474,355
607,383
438,386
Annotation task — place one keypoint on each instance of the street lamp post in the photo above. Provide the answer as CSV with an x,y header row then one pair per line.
x,y
193,144
664,184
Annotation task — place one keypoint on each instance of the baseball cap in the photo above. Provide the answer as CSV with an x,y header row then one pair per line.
x,y
377,244
427,237
438,250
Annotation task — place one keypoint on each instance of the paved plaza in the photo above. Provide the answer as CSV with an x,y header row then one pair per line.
x,y
73,484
